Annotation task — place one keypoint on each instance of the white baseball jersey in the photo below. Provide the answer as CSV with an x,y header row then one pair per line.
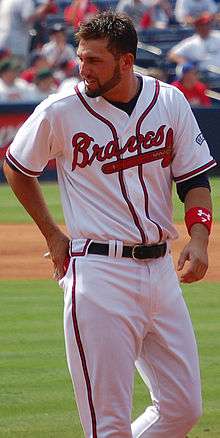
x,y
115,172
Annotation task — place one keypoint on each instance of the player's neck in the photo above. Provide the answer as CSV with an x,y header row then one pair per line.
x,y
125,91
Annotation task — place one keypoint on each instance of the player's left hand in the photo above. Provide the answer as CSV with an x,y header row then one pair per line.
x,y
195,252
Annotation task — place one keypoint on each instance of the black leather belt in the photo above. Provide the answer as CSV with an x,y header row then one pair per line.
x,y
139,252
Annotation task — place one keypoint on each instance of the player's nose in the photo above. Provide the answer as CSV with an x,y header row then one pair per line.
x,y
84,70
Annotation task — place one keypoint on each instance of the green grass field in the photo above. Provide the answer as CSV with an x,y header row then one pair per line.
x,y
36,398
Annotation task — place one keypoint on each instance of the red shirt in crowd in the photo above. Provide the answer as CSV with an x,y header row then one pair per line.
x,y
196,95
80,9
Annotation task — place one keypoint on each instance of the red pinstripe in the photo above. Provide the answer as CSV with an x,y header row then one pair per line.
x,y
140,167
82,354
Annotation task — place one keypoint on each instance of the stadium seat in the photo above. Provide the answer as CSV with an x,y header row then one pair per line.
x,y
103,5
172,34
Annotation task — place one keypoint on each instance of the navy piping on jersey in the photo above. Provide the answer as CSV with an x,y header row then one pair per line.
x,y
120,173
201,169
23,169
82,354
140,167
80,253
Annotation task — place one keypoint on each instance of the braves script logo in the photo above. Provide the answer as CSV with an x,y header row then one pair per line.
x,y
85,150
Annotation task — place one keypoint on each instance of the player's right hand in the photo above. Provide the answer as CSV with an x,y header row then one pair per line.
x,y
58,245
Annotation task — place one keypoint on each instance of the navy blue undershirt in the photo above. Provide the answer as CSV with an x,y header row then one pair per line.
x,y
129,106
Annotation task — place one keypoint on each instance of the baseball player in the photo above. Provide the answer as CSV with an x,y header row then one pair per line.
x,y
120,139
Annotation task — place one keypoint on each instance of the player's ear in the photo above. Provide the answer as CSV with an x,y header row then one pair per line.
x,y
127,61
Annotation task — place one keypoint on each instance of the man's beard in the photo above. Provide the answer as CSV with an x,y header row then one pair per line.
x,y
107,86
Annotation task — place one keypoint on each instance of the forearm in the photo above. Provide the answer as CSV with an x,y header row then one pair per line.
x,y
198,197
28,192
173,57
195,251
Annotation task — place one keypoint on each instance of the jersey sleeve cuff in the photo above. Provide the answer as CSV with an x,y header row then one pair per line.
x,y
19,166
195,172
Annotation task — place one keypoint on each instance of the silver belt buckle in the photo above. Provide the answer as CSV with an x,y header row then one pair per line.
x,y
133,253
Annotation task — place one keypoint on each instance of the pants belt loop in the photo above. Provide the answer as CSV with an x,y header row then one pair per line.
x,y
119,249
111,251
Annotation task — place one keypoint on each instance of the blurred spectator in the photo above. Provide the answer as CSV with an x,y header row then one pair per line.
x,y
17,17
155,72
202,48
37,61
39,31
146,13
4,53
12,88
187,81
44,85
65,70
53,7
68,84
78,11
187,10
57,50
137,11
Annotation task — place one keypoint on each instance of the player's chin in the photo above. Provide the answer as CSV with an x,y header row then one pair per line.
x,y
91,92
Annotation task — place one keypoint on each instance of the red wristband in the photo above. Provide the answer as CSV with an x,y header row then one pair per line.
x,y
198,215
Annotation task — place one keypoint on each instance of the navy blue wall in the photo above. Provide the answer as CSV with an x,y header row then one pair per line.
x,y
209,122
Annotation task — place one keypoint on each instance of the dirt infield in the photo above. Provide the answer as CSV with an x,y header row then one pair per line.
x,y
22,248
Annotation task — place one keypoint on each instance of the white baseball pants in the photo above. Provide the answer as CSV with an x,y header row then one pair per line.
x,y
120,314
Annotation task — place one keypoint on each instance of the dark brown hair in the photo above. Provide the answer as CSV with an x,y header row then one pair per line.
x,y
117,28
